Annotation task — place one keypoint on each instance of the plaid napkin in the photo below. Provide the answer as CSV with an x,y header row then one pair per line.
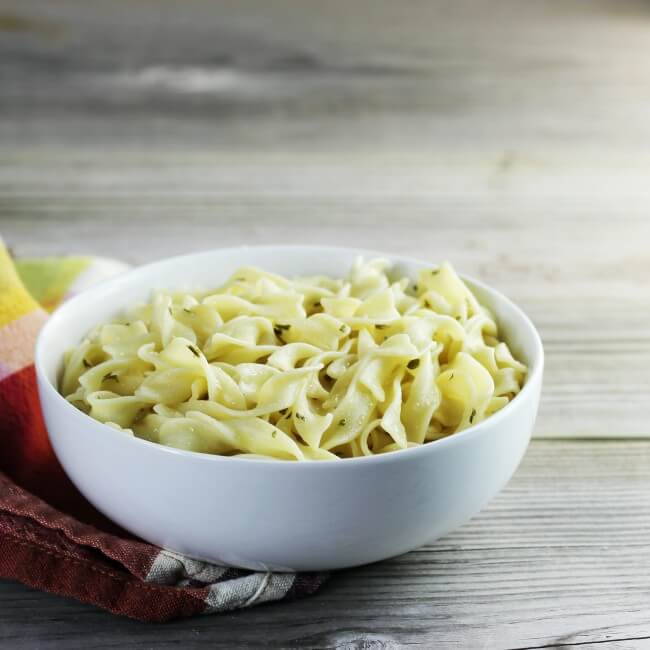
x,y
51,538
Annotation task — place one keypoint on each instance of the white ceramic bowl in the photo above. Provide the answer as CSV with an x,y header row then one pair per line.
x,y
280,515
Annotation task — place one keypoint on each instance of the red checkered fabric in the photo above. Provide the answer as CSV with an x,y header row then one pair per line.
x,y
52,539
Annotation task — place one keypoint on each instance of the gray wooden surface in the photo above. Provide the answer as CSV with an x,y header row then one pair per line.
x,y
512,138
560,558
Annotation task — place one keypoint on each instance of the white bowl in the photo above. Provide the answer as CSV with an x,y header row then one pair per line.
x,y
280,515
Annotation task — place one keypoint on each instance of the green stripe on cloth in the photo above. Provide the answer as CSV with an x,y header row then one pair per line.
x,y
48,278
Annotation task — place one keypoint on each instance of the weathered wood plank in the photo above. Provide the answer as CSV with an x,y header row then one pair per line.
x,y
562,556
586,288
510,140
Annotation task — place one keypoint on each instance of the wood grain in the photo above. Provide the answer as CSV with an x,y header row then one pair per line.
x,y
511,141
561,558
510,138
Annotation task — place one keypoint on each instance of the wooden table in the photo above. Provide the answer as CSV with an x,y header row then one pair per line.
x,y
511,138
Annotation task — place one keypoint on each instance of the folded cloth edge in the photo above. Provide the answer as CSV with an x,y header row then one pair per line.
x,y
50,550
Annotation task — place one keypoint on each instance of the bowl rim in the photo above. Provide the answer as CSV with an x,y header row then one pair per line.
x,y
534,371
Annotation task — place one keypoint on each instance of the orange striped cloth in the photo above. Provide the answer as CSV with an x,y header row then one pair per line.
x,y
51,538
28,290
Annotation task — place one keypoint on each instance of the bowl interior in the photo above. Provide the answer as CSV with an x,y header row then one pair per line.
x,y
69,324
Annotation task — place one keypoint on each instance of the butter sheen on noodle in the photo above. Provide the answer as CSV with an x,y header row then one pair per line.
x,y
313,368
